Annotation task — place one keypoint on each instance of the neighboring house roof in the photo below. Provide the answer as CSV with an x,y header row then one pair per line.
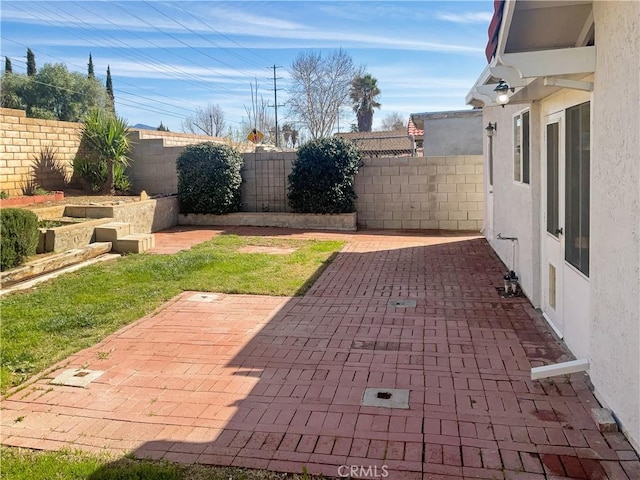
x,y
380,143
413,130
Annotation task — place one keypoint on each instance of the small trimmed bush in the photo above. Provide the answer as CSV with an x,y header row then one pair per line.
x,y
209,178
18,236
322,177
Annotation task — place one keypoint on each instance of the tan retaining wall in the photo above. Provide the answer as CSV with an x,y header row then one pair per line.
x,y
23,139
421,193
154,154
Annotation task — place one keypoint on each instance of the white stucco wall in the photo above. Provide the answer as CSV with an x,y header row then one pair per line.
x,y
453,133
516,206
615,213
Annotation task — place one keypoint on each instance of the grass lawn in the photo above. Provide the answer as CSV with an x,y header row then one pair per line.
x,y
21,464
76,310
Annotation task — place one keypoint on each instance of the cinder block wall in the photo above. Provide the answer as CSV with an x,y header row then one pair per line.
x,y
22,141
153,166
421,193
264,187
154,155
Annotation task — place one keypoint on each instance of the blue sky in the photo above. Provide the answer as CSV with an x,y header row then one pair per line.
x,y
168,58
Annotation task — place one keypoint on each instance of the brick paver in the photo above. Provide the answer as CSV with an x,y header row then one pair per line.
x,y
274,382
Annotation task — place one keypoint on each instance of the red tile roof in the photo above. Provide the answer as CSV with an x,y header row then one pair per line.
x,y
413,130
494,29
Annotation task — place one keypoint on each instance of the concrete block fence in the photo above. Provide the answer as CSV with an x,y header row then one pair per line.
x,y
393,192
421,193
23,139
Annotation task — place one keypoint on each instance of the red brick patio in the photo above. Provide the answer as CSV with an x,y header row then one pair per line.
x,y
277,383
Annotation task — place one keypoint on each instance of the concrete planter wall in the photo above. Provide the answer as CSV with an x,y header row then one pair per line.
x,y
146,216
68,237
342,221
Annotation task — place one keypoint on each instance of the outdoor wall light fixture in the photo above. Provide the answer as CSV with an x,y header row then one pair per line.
x,y
502,89
491,129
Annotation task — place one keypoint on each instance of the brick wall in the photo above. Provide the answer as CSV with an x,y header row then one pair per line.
x,y
22,141
421,193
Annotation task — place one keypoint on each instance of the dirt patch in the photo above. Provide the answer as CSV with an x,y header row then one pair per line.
x,y
267,250
76,197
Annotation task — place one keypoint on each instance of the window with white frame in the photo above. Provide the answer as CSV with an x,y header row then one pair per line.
x,y
521,147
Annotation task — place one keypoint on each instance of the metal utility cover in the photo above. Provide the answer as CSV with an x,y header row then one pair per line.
x,y
386,397
204,297
406,303
77,377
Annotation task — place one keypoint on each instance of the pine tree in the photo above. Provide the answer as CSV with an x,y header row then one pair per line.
x,y
110,97
7,65
31,63
162,128
90,73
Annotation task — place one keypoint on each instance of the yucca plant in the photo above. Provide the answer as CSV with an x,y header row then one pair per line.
x,y
107,137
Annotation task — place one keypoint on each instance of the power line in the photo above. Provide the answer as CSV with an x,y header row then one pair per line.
x,y
119,90
57,14
183,43
163,67
221,34
275,99
197,34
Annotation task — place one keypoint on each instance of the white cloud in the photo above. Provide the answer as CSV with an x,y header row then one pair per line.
x,y
467,17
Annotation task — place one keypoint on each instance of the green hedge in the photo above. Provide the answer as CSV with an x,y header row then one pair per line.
x,y
209,178
18,236
322,177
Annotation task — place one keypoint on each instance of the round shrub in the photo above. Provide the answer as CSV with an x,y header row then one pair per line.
x,y
322,177
209,178
18,236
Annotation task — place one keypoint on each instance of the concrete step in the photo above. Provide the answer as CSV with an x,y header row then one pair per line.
x,y
135,243
112,231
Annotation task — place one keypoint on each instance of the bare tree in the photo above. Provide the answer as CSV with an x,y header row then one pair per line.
x,y
319,87
205,121
260,117
393,122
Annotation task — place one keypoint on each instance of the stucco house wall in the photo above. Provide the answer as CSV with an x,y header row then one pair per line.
x,y
615,213
450,133
601,310
453,133
515,206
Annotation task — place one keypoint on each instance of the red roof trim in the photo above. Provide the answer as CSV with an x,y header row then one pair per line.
x,y
494,29
413,130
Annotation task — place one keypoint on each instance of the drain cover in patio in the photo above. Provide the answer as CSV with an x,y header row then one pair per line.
x,y
386,397
204,297
77,377
406,303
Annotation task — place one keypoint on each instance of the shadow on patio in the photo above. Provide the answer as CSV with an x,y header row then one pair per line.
x,y
277,383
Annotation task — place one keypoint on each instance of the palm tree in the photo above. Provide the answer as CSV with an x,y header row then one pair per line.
x,y
107,137
364,91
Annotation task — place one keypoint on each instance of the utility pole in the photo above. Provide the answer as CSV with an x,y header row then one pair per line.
x,y
275,100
